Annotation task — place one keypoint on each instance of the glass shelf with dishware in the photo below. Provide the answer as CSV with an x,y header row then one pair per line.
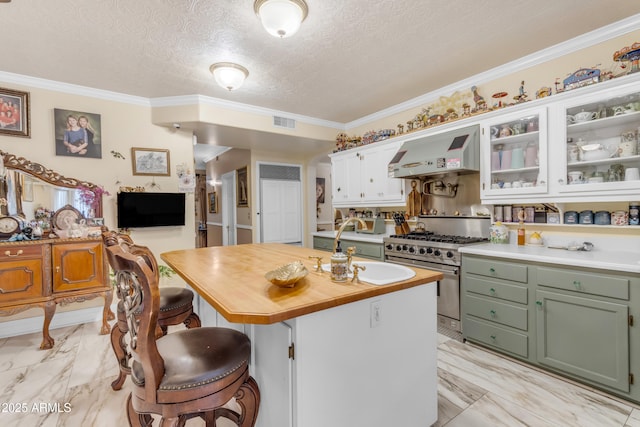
x,y
512,148
602,144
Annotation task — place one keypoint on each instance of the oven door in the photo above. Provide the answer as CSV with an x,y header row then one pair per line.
x,y
448,287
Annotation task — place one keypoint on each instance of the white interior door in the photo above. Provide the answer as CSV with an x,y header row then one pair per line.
x,y
229,229
281,212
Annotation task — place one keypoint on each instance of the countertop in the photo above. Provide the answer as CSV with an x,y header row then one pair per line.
x,y
352,235
231,279
616,260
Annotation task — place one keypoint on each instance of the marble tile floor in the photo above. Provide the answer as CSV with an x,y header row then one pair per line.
x,y
70,385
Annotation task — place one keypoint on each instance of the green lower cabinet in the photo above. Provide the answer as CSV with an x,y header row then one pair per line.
x,y
577,322
369,250
584,337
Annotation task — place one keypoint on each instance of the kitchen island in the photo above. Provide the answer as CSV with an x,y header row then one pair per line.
x,y
325,353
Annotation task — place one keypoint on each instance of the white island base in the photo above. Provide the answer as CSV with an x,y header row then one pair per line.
x,y
351,369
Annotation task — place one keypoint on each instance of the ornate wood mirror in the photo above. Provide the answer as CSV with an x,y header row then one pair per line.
x,y
26,186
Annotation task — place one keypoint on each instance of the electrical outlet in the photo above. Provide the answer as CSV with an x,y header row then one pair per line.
x,y
375,313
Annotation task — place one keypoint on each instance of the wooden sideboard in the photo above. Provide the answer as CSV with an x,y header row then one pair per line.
x,y
47,272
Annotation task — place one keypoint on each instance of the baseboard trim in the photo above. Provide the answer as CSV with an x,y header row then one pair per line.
x,y
31,325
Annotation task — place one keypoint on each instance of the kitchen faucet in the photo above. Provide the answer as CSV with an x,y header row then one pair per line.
x,y
344,224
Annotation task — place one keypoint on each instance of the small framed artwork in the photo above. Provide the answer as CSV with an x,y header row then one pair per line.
x,y
242,186
213,202
15,117
150,161
78,134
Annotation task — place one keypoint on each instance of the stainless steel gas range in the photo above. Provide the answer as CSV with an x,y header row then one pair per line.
x,y
436,248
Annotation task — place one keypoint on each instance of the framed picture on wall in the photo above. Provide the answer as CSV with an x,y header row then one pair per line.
x,y
78,133
242,186
213,202
14,113
150,161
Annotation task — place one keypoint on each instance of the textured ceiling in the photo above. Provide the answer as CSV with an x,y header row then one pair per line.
x,y
350,58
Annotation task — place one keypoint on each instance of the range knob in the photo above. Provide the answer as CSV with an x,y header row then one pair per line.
x,y
429,251
436,252
412,249
398,248
389,246
422,251
449,254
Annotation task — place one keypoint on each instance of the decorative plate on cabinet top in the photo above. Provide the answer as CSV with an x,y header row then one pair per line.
x,y
287,275
65,216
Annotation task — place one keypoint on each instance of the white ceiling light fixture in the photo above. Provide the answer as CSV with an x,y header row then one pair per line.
x,y
281,18
229,75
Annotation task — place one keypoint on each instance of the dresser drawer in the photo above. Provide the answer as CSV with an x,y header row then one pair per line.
x,y
495,336
493,289
588,283
496,269
496,311
11,252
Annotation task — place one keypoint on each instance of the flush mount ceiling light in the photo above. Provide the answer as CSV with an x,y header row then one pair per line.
x,y
281,18
229,75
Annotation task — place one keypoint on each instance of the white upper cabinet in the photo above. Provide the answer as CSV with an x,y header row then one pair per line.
x,y
513,150
360,177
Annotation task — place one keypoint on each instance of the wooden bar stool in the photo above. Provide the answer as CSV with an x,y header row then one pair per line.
x,y
185,374
176,306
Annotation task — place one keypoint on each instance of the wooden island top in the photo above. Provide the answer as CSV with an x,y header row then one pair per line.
x,y
231,279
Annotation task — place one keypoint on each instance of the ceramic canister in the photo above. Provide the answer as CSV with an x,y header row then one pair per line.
x,y
531,156
517,158
602,218
585,217
505,162
571,217
619,218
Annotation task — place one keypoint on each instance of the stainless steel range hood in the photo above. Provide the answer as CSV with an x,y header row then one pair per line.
x,y
452,151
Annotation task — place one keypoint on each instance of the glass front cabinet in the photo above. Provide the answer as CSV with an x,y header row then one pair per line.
x,y
514,155
598,134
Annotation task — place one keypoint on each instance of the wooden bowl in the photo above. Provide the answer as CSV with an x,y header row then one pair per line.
x,y
287,275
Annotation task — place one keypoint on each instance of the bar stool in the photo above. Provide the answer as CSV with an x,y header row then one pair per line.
x,y
176,306
185,374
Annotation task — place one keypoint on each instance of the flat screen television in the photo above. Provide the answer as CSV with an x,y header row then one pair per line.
x,y
150,209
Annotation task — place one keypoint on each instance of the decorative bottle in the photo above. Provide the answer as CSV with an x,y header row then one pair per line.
x,y
521,233
339,265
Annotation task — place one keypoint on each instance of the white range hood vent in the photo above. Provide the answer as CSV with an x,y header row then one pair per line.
x,y
452,151
283,122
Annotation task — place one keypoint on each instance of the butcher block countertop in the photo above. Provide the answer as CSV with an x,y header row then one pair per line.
x,y
231,279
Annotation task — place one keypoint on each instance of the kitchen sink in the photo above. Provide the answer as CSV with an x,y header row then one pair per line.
x,y
379,273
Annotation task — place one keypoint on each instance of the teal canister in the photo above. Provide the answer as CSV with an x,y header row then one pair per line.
x,y
571,217
602,218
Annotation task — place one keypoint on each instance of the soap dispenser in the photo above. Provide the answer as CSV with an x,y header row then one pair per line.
x,y
339,265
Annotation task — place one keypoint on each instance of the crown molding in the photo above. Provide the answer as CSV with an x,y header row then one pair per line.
x,y
582,41
40,83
